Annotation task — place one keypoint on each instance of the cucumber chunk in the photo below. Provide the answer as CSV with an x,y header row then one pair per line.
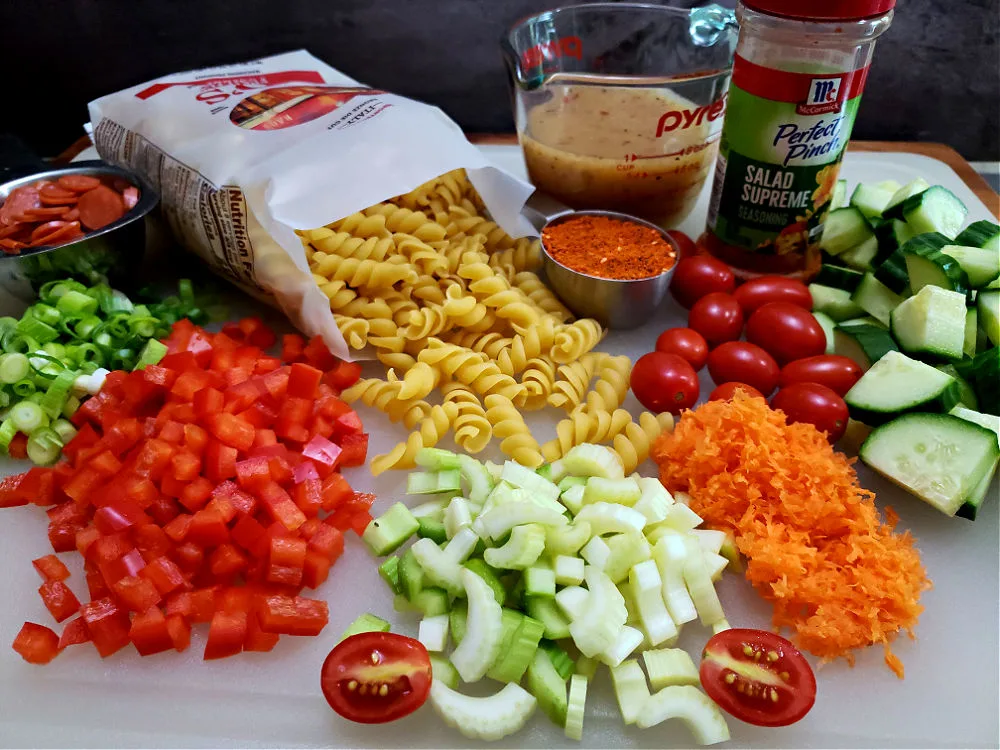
x,y
875,298
839,197
862,257
983,234
937,457
935,268
966,395
872,200
389,572
490,718
548,687
986,380
690,705
388,532
433,529
896,385
411,575
838,277
893,271
980,265
895,206
971,346
865,344
970,508
936,209
931,322
442,671
432,601
843,229
828,326
988,310
833,302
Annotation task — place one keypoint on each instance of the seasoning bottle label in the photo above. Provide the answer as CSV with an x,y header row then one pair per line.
x,y
782,142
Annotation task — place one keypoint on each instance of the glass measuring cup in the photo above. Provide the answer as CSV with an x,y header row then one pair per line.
x,y
619,106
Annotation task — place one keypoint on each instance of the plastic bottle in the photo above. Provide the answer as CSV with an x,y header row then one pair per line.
x,y
798,75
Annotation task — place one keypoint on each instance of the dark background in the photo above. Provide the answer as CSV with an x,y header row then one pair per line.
x,y
936,73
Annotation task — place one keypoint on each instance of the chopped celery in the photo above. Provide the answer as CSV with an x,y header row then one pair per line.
x,y
631,689
562,661
626,642
598,627
655,500
490,718
516,656
366,623
433,529
715,565
539,581
457,619
480,568
670,554
607,518
690,705
500,519
401,604
647,592
618,491
433,632
626,550
389,571
566,482
437,459
575,706
567,539
461,546
388,532
548,687
443,671
572,498
702,590
670,666
681,517
596,552
545,610
568,570
718,627
430,509
438,568
573,600
483,629
586,666
710,540
524,547
457,516
589,460
528,480
433,482
411,575
478,479
432,601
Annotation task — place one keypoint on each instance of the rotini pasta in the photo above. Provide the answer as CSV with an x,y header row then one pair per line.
x,y
584,426
633,443
538,380
541,296
471,368
515,437
575,339
418,381
612,384
574,381
384,396
472,427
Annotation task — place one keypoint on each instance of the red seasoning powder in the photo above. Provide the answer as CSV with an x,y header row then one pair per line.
x,y
609,248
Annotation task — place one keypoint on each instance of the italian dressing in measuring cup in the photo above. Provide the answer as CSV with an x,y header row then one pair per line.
x,y
797,80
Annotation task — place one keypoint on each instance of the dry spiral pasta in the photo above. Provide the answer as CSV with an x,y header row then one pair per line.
x,y
515,437
574,381
612,384
468,367
575,339
417,382
535,289
372,274
525,255
538,379
584,426
360,225
425,321
633,443
384,396
472,427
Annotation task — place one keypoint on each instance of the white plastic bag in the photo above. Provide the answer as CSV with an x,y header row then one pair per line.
x,y
242,155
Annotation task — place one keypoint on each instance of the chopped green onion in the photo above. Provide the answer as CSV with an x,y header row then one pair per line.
x,y
54,349
45,313
28,416
15,341
70,407
151,353
186,292
7,432
86,326
114,302
44,446
81,353
57,393
13,367
38,330
76,302
64,429
23,388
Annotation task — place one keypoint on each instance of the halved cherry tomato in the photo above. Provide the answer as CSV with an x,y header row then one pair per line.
x,y
814,404
664,382
717,317
700,275
758,292
727,390
786,331
686,343
758,677
372,678
738,361
837,373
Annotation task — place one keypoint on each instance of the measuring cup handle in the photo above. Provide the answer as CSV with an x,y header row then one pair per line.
x,y
541,208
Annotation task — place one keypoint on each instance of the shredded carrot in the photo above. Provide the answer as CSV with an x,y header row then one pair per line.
x,y
837,575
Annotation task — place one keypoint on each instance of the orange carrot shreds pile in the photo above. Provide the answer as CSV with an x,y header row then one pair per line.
x,y
815,545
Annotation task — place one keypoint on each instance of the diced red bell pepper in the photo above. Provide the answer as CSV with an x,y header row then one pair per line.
x,y
110,547
178,528
322,451
257,334
260,414
180,632
264,438
275,383
220,461
189,382
303,380
281,470
196,494
62,536
138,594
321,426
208,528
236,599
179,604
85,437
266,364
336,491
309,528
280,506
328,541
153,459
172,431
67,513
85,537
149,633
242,396
97,587
283,575
51,568
292,615
316,354
354,449
226,635
225,508
226,561
164,509
140,490
37,486
292,418
287,551
189,557
184,465
292,347
159,376
308,496
331,406
359,522
208,401
231,430
315,570
203,604
83,483
151,541
348,423
122,515
10,496
122,436
250,535
171,486
164,574
242,501
257,639
108,625
74,633
36,644
195,438
17,448
253,473
59,600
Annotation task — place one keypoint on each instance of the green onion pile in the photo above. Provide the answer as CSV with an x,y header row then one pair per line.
x,y
62,347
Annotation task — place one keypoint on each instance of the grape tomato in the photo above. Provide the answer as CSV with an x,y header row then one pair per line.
x,y
686,343
813,404
758,292
786,331
740,362
664,382
717,317
837,373
699,275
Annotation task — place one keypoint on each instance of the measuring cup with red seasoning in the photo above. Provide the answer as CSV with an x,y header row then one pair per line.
x,y
619,106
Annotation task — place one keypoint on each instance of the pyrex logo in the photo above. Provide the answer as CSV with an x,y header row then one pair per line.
x,y
685,118
568,46
824,90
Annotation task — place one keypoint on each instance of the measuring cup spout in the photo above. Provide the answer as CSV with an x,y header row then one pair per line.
x,y
711,22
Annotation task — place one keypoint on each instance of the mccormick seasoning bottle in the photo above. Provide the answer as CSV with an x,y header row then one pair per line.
x,y
798,75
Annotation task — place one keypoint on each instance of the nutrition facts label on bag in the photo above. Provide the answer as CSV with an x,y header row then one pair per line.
x,y
210,219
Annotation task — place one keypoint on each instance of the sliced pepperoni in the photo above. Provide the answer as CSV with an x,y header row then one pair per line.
x,y
46,212
45,229
53,195
100,207
11,230
78,183
19,201
72,215
12,247
68,231
130,196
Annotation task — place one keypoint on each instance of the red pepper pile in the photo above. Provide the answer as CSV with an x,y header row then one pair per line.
x,y
194,491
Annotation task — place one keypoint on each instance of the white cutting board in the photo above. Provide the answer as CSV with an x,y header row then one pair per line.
x,y
949,697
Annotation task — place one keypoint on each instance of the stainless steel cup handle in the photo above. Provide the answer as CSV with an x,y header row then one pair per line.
x,y
541,208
